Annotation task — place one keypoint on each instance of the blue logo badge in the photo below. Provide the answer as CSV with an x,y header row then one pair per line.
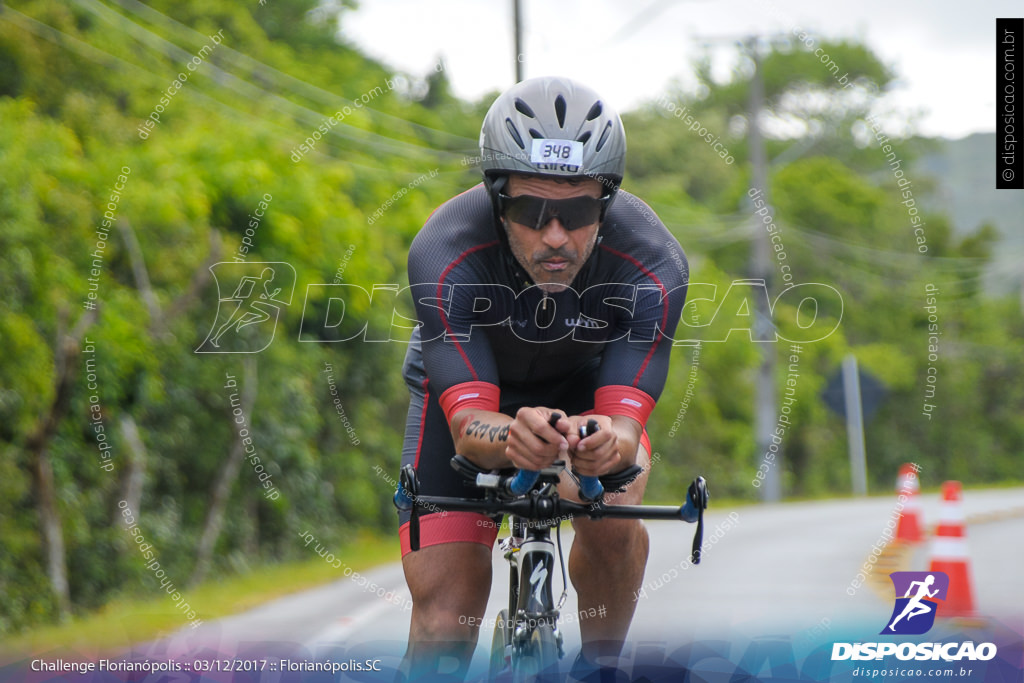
x,y
914,613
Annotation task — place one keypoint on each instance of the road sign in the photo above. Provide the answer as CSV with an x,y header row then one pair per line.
x,y
872,393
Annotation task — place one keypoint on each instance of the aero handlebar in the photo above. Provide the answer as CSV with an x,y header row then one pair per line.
x,y
590,487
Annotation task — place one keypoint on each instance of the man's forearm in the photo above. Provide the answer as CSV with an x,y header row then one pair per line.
x,y
482,436
628,432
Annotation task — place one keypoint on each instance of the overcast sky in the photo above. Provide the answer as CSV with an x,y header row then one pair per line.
x,y
942,51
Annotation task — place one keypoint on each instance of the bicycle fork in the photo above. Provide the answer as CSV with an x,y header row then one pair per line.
x,y
532,562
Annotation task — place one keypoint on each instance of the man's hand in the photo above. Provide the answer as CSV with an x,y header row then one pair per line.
x,y
533,444
598,453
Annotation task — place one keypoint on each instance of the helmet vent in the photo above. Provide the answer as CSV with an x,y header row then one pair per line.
x,y
514,133
536,134
604,136
524,109
560,110
595,111
583,138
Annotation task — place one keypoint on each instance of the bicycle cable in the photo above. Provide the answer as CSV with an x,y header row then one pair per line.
x,y
561,561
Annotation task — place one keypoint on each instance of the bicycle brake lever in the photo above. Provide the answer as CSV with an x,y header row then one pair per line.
x,y
696,502
405,499
408,489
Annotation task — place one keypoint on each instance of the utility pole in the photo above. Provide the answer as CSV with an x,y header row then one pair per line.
x,y
517,21
855,425
766,407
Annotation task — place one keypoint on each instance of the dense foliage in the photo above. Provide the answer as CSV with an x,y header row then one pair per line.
x,y
77,84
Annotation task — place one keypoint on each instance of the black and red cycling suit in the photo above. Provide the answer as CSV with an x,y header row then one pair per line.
x,y
492,340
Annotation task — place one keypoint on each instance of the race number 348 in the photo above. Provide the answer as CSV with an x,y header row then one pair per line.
x,y
569,152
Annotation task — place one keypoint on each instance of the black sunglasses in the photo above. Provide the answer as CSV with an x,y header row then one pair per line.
x,y
536,212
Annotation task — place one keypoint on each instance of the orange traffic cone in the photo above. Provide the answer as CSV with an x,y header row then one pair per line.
x,y
909,528
949,553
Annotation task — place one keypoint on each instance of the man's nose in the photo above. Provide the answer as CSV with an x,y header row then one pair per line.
x,y
554,234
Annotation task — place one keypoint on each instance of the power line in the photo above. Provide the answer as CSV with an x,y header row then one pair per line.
x,y
94,54
313,92
255,93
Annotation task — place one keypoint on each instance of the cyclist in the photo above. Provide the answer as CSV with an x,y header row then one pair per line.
x,y
536,295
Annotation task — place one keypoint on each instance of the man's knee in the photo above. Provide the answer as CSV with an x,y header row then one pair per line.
x,y
438,622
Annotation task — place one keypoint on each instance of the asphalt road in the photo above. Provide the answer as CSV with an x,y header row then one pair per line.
x,y
771,569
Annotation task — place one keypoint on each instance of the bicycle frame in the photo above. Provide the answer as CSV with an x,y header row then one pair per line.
x,y
531,558
529,549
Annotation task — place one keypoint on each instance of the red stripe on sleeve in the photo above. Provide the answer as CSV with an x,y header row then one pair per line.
x,y
479,395
618,399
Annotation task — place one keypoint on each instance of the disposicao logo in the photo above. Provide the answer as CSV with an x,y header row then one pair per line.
x,y
250,298
914,613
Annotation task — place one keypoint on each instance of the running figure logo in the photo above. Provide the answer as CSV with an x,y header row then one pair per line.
x,y
918,589
246,319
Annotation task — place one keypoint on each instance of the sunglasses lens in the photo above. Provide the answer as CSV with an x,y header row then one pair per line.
x,y
525,210
536,212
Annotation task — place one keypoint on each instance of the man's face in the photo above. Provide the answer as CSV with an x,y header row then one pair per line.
x,y
551,256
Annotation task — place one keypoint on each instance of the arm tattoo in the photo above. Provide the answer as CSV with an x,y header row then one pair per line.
x,y
492,432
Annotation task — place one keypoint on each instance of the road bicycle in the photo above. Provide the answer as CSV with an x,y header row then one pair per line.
x,y
527,642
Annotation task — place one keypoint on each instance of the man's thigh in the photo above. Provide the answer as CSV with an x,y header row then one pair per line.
x,y
452,581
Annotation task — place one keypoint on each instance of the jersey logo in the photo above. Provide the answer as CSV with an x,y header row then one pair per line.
x,y
583,321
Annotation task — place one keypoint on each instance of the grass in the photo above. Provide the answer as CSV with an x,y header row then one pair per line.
x,y
129,620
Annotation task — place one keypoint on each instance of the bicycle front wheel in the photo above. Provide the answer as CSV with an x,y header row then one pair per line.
x,y
538,660
499,644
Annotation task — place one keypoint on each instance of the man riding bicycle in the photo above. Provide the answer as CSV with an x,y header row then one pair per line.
x,y
537,294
